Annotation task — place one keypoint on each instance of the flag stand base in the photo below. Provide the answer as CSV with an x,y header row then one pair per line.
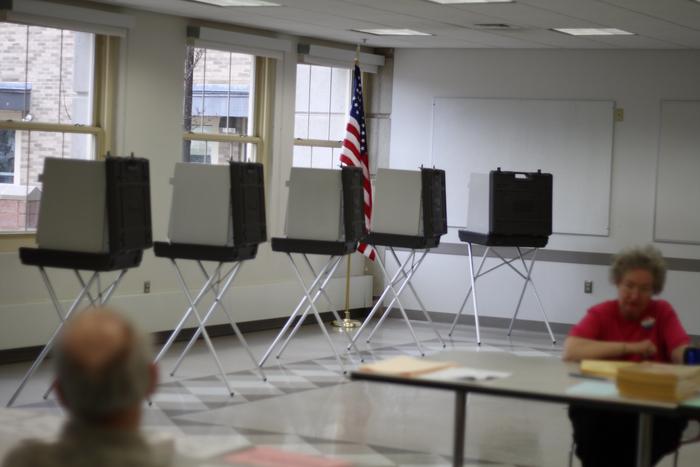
x,y
346,323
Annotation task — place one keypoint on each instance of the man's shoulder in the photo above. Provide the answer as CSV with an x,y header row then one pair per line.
x,y
32,453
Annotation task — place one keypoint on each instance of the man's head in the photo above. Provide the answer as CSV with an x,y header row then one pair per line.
x,y
103,367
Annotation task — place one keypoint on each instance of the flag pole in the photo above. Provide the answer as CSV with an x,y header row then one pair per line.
x,y
347,322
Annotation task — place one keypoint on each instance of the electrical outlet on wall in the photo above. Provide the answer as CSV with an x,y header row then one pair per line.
x,y
587,286
147,287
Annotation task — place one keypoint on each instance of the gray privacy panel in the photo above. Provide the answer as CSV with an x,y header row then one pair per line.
x,y
314,207
571,139
678,175
73,210
200,212
479,215
397,202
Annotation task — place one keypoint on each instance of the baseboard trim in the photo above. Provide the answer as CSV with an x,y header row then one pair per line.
x,y
559,329
491,322
25,354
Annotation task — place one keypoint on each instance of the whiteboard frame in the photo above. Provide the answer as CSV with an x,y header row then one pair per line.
x,y
655,235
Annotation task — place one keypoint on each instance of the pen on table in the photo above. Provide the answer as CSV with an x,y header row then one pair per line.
x,y
581,375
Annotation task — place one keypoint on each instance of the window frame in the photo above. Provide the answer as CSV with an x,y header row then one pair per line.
x,y
327,143
263,79
106,58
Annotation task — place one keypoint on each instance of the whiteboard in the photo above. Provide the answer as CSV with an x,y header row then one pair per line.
x,y
571,139
677,184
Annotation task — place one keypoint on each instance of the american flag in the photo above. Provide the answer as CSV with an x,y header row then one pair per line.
x,y
354,151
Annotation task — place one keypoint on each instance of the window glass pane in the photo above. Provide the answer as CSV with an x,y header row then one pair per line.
x,y
340,90
301,125
7,156
19,199
220,152
219,99
46,74
318,126
337,124
323,100
218,92
322,158
319,99
302,156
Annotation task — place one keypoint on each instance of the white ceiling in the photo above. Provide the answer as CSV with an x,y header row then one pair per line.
x,y
657,24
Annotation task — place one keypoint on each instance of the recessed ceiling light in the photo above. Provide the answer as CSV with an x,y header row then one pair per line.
x,y
237,2
593,31
451,2
393,32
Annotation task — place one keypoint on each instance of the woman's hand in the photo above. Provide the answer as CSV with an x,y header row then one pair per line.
x,y
645,348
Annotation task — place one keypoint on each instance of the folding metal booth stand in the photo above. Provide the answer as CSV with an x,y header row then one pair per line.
x,y
352,230
127,219
507,210
434,225
246,216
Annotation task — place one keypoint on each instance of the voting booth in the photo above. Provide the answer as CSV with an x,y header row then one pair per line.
x,y
325,216
507,209
410,212
94,216
217,215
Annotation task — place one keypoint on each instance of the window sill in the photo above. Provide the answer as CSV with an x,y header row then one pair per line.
x,y
12,241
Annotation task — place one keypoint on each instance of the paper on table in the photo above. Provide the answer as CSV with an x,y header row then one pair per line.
x,y
465,374
406,366
271,457
200,446
693,402
603,368
594,388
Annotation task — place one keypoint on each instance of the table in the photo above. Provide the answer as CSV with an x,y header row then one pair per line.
x,y
544,379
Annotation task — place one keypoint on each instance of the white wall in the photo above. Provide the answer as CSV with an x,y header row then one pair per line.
x,y
636,80
150,125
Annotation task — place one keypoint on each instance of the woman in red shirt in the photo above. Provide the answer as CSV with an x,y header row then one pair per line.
x,y
634,327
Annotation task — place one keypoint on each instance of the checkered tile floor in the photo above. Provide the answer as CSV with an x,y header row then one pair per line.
x,y
193,396
193,411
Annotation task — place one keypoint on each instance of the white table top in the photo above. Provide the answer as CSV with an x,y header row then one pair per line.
x,y
538,378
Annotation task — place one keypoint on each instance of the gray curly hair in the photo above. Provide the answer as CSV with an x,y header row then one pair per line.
x,y
648,258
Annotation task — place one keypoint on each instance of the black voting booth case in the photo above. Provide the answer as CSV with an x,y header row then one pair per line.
x,y
247,217
353,231
128,227
128,223
514,210
434,225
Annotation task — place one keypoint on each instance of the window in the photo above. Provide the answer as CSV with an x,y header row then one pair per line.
x,y
219,113
322,98
48,108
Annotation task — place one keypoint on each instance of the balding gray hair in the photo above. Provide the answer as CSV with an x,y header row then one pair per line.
x,y
647,258
122,382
